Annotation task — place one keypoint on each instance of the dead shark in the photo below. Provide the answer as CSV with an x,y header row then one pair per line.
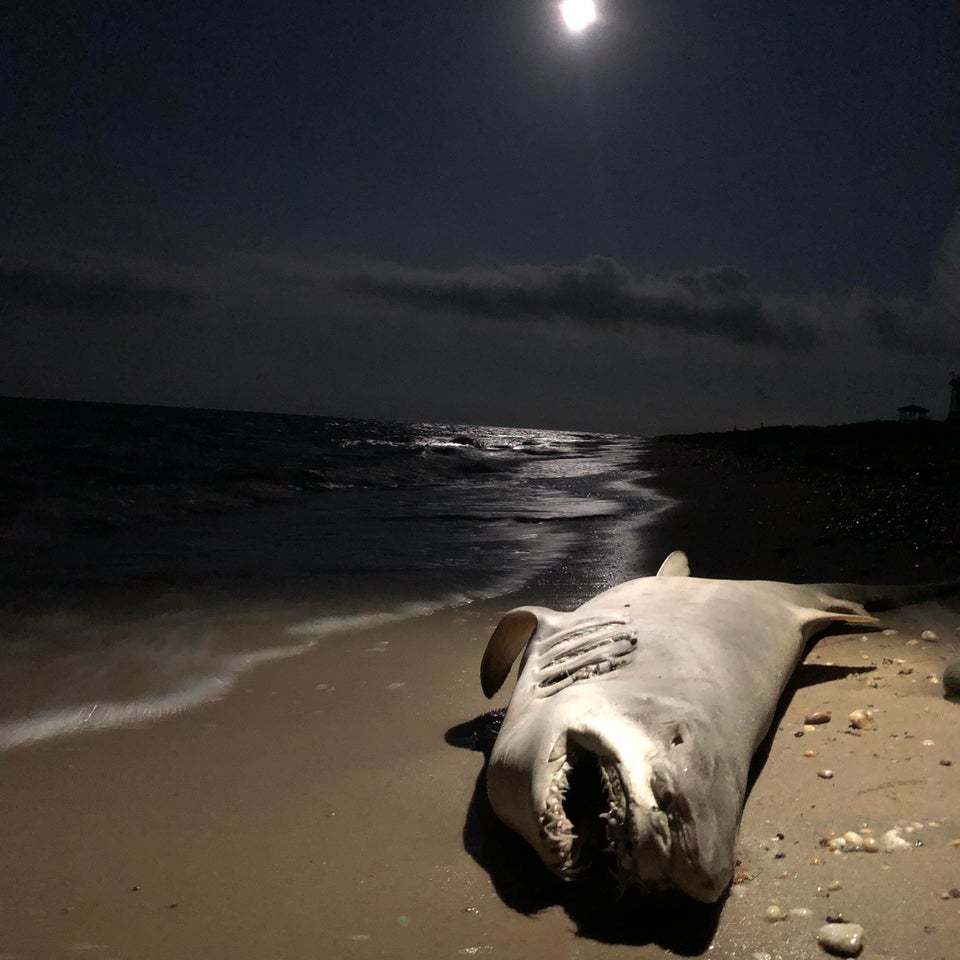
x,y
635,717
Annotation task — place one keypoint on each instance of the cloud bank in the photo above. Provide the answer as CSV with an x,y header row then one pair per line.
x,y
600,291
588,345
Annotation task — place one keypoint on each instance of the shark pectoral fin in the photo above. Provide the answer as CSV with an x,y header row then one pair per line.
x,y
507,642
814,621
676,565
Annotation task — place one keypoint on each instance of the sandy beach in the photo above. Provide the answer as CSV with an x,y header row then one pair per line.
x,y
331,805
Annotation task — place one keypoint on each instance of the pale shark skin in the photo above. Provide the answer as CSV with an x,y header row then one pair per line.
x,y
688,675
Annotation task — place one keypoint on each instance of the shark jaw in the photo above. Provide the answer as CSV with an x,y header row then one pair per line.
x,y
618,804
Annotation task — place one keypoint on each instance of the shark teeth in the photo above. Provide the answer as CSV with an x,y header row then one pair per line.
x,y
571,846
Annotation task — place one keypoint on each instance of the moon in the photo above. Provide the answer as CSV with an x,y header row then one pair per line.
x,y
578,14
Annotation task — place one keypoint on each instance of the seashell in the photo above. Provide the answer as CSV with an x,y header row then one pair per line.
x,y
774,913
891,841
825,774
818,717
854,842
862,720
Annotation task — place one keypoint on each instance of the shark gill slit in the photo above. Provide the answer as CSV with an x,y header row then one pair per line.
x,y
583,654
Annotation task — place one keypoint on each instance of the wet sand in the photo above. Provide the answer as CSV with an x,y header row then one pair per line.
x,y
331,805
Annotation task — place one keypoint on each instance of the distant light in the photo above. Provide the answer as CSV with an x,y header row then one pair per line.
x,y
578,14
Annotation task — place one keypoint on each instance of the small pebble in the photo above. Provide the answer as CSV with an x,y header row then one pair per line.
x,y
954,893
825,774
841,939
801,913
809,753
913,643
822,892
870,845
818,717
834,885
946,763
931,636
928,743
835,918
774,913
837,844
809,728
905,671
890,633
955,843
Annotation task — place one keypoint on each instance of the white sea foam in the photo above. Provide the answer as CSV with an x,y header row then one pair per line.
x,y
191,692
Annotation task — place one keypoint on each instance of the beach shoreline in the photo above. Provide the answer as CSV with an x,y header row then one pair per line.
x,y
331,804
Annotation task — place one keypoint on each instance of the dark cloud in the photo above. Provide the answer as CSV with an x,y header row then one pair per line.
x,y
44,288
717,303
919,333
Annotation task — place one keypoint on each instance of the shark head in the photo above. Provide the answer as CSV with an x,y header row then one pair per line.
x,y
590,771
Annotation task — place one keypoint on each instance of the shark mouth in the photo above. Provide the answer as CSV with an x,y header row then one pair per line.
x,y
590,818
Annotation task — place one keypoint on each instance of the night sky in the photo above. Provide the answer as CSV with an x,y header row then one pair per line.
x,y
693,215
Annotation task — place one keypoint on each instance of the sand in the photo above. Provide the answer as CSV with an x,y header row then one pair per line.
x,y
328,807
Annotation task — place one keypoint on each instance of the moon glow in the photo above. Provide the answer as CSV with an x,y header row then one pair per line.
x,y
578,14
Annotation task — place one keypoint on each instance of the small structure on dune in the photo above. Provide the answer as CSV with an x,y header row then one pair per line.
x,y
912,412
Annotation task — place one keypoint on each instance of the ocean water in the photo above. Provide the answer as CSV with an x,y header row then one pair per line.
x,y
150,556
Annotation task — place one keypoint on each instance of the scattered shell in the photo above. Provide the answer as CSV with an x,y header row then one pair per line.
x,y
891,841
837,844
809,753
774,913
928,743
825,774
931,636
815,862
862,720
818,717
854,841
841,939
801,913
822,892
834,885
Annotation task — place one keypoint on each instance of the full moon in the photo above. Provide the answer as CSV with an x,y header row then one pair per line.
x,y
578,14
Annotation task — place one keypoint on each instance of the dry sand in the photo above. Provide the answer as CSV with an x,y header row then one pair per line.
x,y
328,807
